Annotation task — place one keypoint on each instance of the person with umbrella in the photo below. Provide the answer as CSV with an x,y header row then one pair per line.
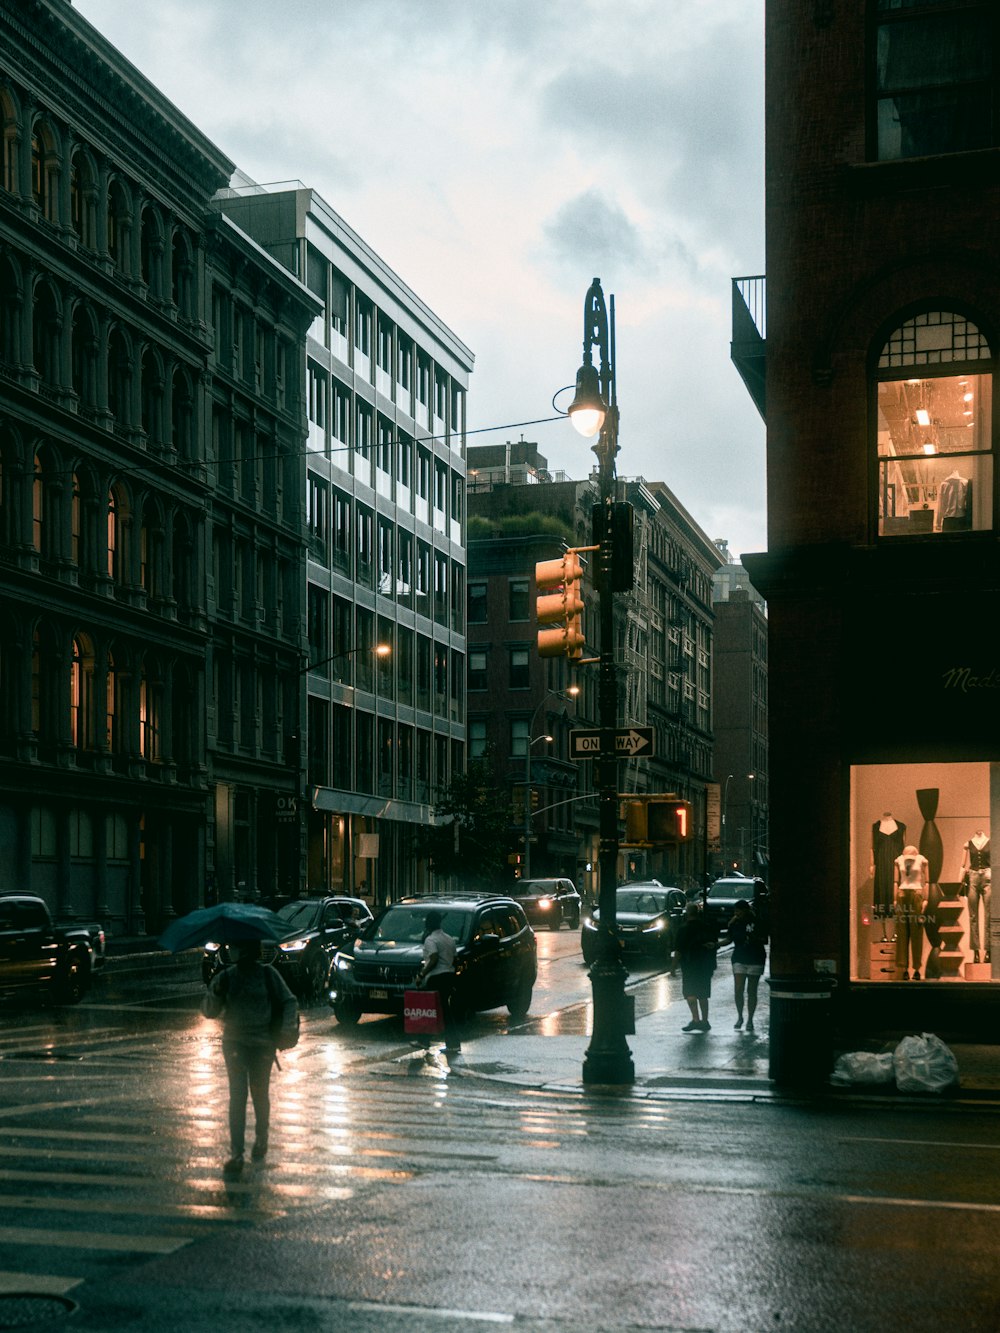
x,y
259,1013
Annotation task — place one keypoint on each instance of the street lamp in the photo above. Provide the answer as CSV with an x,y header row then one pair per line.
x,y
725,807
594,411
379,650
570,692
527,798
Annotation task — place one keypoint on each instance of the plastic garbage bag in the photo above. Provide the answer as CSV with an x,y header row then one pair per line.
x,y
924,1064
863,1067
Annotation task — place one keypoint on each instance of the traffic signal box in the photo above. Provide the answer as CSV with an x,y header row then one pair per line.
x,y
559,606
656,821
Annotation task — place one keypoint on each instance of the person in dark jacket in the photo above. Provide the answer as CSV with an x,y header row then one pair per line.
x,y
247,998
696,947
749,956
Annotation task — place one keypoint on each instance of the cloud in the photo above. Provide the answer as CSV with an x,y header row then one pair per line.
x,y
590,232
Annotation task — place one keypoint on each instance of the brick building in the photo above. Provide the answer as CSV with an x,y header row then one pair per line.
x,y
883,566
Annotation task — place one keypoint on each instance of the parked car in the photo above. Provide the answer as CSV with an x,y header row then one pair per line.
x,y
318,928
37,953
722,896
495,964
548,902
647,915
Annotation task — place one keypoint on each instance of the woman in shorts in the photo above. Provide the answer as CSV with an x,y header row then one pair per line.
x,y
748,960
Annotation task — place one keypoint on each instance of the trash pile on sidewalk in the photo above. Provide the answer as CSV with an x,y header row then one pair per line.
x,y
918,1064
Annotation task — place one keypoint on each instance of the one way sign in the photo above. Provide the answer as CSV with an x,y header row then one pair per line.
x,y
630,743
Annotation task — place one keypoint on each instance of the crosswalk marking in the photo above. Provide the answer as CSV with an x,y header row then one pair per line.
x,y
41,1284
93,1240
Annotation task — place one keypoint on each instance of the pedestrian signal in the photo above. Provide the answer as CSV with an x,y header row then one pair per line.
x,y
652,821
559,606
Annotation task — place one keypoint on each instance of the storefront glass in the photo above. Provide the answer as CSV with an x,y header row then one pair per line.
x,y
922,906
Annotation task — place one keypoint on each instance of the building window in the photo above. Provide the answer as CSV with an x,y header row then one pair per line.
x,y
477,738
519,737
921,913
934,428
477,603
519,599
477,669
519,673
934,77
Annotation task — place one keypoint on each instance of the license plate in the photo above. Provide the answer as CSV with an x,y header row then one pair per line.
x,y
379,994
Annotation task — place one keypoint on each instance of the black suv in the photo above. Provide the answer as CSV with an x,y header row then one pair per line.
x,y
317,927
495,962
548,902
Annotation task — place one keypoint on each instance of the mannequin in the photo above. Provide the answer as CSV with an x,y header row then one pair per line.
x,y
975,877
911,901
888,836
954,509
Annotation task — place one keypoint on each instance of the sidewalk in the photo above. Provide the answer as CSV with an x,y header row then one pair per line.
x,y
720,1065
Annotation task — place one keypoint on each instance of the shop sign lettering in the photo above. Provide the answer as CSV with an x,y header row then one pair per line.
x,y
965,679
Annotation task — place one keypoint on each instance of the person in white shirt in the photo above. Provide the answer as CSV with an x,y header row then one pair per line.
x,y
437,972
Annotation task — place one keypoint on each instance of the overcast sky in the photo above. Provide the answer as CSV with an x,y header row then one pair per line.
x,y
498,155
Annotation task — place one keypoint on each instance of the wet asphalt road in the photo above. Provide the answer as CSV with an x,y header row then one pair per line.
x,y
397,1198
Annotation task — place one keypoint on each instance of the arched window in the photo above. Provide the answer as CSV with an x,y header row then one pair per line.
x,y
45,171
112,731
75,522
10,313
83,197
182,275
9,127
83,357
182,415
934,428
118,226
150,708
151,396
38,506
115,543
45,332
150,250
81,699
119,379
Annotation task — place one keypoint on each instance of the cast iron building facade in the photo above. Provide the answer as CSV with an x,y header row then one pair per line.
x,y
883,569
385,525
143,703
663,637
740,718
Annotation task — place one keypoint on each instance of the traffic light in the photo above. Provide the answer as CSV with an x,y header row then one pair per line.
x,y
668,820
652,821
559,604
623,542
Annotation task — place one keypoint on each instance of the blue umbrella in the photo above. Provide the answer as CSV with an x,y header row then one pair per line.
x,y
225,923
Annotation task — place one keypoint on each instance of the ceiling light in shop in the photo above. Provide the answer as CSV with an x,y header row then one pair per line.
x,y
923,417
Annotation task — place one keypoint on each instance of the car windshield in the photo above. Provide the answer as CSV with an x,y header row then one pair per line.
x,y
728,889
641,900
407,924
531,887
300,916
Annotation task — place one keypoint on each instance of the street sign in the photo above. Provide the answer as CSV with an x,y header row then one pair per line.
x,y
630,743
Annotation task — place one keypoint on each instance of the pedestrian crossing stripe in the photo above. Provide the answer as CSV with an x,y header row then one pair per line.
x,y
39,1284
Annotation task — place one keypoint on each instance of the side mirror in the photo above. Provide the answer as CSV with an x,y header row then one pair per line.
x,y
488,943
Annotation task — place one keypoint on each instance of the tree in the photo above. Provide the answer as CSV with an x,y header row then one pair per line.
x,y
471,835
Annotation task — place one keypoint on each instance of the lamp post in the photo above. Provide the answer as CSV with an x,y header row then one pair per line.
x,y
594,411
570,693
527,798
725,839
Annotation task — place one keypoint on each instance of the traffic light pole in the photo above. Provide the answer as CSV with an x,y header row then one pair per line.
x,y
608,1058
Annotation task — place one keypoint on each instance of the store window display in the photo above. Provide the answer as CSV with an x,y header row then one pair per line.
x,y
909,923
975,879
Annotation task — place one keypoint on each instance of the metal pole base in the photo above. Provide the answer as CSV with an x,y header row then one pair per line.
x,y
608,1058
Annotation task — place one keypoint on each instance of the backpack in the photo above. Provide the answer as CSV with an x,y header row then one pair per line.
x,y
285,1035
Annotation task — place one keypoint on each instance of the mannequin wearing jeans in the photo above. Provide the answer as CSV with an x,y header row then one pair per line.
x,y
975,874
911,900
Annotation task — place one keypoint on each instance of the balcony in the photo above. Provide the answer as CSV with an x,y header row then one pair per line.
x,y
747,350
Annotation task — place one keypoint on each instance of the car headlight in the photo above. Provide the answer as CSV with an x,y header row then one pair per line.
x,y
652,927
211,946
294,946
544,904
589,923
344,962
